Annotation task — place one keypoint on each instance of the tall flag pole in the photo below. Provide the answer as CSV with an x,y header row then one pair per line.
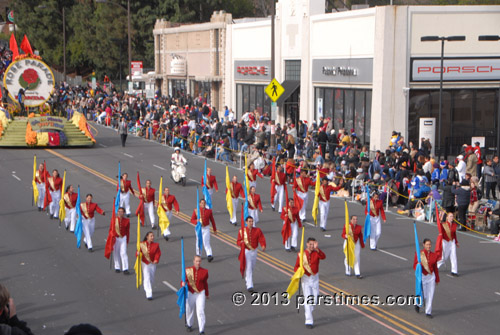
x,y
297,276
273,181
206,194
199,233
140,209
418,268
62,207
117,199
79,226
246,188
229,198
242,257
315,208
182,292
35,188
368,227
438,249
47,199
138,259
349,246
110,241
163,220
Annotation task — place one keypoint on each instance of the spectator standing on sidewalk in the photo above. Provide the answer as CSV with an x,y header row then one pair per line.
x,y
9,322
122,130
490,179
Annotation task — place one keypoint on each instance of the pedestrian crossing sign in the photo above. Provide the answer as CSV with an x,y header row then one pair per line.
x,y
274,90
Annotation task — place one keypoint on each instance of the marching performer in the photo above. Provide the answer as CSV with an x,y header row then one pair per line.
x,y
310,280
301,185
197,281
252,175
291,223
206,217
148,193
125,190
121,233
357,235
450,244
70,198
211,182
55,184
254,205
324,200
430,275
40,176
88,209
150,257
169,202
236,191
280,180
376,213
250,236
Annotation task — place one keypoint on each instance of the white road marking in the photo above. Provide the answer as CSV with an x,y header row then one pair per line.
x,y
196,181
159,167
488,242
328,236
311,224
449,275
404,218
219,321
16,177
497,293
391,254
102,145
128,155
172,287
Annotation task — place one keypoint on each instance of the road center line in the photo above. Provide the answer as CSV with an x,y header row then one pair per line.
x,y
391,254
172,287
497,293
128,155
102,145
159,167
16,177
196,181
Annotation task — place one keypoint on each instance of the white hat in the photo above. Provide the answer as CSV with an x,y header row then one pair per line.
x,y
332,131
177,148
460,157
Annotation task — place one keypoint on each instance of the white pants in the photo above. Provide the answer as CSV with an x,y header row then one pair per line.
x,y
428,285
251,257
324,207
279,196
149,207
292,239
70,219
302,213
235,207
120,251
310,287
375,230
205,231
148,273
197,299
166,232
449,251
54,205
211,192
88,231
255,214
125,201
41,195
357,253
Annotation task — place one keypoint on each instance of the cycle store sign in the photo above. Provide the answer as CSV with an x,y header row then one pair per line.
x,y
31,75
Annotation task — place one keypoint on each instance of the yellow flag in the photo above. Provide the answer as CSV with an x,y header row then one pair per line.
x,y
35,188
162,216
294,283
315,208
229,198
138,259
349,244
62,208
246,175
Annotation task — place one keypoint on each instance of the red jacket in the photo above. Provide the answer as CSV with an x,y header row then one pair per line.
x,y
257,204
254,238
253,173
126,186
153,250
200,279
295,215
327,189
169,202
312,259
70,200
453,231
148,194
206,216
89,209
376,209
54,185
280,178
431,261
212,182
124,225
357,233
305,183
237,190
40,176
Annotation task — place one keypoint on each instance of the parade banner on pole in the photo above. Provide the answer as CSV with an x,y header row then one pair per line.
x,y
182,292
295,282
206,194
117,199
35,188
229,198
368,227
62,207
198,227
79,225
418,268
349,246
138,258
315,208
163,220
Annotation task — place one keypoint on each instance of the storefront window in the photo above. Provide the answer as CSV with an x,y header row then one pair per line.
x,y
177,87
328,103
348,110
359,113
250,98
338,117
239,100
251,108
368,117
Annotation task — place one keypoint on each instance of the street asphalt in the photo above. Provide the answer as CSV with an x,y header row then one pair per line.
x,y
55,285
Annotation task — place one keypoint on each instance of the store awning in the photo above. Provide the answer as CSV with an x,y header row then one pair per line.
x,y
290,87
208,78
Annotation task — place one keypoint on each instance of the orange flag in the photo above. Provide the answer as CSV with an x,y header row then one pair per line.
x,y
13,46
26,46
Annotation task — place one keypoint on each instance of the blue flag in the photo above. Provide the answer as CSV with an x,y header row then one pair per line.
x,y
206,194
368,227
245,208
182,292
117,200
418,268
198,223
79,226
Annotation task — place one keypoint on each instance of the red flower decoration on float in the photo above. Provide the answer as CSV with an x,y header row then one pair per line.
x,y
29,80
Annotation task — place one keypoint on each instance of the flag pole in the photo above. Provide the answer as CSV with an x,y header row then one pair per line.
x,y
347,242
300,285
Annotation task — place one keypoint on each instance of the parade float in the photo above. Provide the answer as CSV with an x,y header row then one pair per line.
x,y
29,74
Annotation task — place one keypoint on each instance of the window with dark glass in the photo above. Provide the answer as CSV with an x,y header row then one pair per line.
x,y
292,70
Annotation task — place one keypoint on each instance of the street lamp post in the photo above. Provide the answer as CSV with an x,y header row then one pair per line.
x,y
441,72
494,38
128,33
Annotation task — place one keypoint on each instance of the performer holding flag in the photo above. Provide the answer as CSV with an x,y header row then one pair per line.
x,y
62,206
324,201
118,238
315,208
448,232
150,256
78,226
229,199
70,199
235,190
211,183
169,203
279,180
376,211
203,227
429,274
355,232
291,223
125,190
254,205
252,173
248,239
349,246
206,194
197,284
163,219
88,210
301,186
148,194
39,184
140,209
53,186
